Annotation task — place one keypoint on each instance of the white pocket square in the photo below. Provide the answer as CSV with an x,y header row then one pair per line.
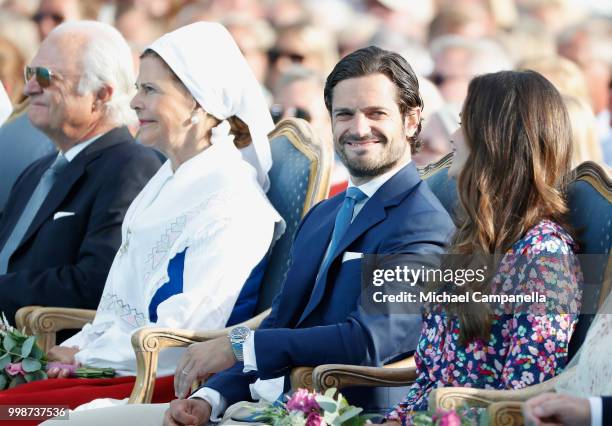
x,y
351,255
59,215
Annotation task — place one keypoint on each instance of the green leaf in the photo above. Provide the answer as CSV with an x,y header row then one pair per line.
x,y
16,381
349,413
330,392
3,382
26,349
5,360
31,365
37,352
8,343
327,404
37,375
329,417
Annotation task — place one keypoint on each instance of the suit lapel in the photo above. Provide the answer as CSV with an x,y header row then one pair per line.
x,y
373,212
70,176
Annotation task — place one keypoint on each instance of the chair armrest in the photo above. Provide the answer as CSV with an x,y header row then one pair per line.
x,y
340,376
46,322
22,318
506,414
148,341
455,397
301,377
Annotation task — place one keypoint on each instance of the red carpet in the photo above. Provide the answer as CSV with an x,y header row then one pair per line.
x,y
74,392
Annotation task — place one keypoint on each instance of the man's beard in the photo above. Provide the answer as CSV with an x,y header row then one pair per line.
x,y
389,157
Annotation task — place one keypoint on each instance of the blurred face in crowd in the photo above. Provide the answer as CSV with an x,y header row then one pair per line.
x,y
370,134
163,105
596,70
451,74
59,110
294,48
460,153
51,13
304,99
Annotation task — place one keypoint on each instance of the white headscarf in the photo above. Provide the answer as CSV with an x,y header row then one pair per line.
x,y
205,57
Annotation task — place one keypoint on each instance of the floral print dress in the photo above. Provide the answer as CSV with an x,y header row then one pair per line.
x,y
524,348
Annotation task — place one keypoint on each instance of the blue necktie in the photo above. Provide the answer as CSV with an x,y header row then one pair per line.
x,y
29,212
343,220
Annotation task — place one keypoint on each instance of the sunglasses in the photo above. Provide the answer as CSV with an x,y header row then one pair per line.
x,y
40,16
274,55
43,75
277,112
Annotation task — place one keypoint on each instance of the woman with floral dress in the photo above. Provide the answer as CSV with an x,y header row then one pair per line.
x,y
511,156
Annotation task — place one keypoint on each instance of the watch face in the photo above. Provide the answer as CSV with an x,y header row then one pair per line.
x,y
240,333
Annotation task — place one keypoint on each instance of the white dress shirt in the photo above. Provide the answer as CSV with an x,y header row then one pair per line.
x,y
78,148
269,390
596,411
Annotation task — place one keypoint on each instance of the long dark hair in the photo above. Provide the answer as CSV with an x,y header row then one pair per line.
x,y
519,135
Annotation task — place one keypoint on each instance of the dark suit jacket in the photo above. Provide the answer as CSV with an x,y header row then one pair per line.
x,y
323,322
64,262
606,418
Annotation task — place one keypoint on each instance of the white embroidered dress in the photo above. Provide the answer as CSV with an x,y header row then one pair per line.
x,y
213,206
590,371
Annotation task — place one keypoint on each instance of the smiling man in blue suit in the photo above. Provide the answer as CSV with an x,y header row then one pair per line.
x,y
375,106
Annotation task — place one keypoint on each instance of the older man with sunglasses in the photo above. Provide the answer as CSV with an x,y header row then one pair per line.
x,y
61,226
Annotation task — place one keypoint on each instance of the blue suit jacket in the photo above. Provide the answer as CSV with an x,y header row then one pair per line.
x,y
316,322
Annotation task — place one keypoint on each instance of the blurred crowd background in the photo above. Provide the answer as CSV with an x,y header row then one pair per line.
x,y
292,45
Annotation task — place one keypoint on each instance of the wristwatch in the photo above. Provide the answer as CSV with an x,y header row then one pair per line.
x,y
237,336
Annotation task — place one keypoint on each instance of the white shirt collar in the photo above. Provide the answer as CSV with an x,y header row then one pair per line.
x,y
370,188
75,150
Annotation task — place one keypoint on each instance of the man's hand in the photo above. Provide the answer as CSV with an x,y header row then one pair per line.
x,y
187,412
200,361
553,409
65,356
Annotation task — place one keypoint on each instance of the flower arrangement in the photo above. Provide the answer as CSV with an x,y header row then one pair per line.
x,y
23,361
306,408
466,416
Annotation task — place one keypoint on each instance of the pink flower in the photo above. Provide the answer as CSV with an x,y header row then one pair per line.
x,y
450,418
315,419
14,369
303,401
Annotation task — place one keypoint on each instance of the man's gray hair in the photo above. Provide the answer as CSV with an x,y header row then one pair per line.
x,y
106,60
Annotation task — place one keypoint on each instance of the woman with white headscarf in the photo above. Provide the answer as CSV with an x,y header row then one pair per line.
x,y
199,228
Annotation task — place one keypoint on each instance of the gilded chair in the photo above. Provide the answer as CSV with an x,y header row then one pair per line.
x,y
299,179
590,202
443,187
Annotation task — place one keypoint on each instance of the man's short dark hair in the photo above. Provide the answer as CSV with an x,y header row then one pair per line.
x,y
373,60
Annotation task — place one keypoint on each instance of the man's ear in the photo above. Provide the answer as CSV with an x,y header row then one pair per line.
x,y
103,95
411,121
